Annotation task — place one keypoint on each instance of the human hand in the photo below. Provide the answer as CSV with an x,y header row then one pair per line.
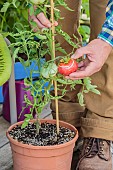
x,y
97,51
41,21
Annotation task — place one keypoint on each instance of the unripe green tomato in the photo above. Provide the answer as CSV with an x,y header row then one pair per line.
x,y
37,1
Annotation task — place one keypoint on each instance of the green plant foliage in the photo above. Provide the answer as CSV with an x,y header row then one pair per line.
x,y
84,28
35,45
84,32
11,12
5,61
85,7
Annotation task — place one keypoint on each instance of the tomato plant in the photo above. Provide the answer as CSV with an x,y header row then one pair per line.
x,y
68,67
37,45
37,1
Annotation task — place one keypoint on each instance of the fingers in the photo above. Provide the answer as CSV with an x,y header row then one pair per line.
x,y
82,73
86,67
80,52
43,20
39,25
56,23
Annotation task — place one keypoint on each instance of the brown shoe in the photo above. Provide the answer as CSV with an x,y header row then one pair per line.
x,y
96,155
76,153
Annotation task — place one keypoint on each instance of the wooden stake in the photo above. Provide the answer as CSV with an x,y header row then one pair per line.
x,y
53,45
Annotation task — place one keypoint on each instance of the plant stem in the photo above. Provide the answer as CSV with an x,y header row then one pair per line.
x,y
38,124
2,23
53,47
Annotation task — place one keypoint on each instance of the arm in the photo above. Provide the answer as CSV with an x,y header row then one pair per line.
x,y
107,29
97,51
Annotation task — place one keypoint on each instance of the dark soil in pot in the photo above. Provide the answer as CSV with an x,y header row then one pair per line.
x,y
47,135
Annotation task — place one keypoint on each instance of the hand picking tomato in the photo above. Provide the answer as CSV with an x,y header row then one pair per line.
x,y
67,68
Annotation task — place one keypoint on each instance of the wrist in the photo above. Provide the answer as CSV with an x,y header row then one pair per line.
x,y
105,43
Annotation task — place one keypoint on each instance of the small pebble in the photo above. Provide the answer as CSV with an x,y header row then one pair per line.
x,y
47,135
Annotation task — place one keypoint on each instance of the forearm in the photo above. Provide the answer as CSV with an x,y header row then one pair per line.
x,y
107,30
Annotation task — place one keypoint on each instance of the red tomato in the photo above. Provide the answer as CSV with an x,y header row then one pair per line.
x,y
68,68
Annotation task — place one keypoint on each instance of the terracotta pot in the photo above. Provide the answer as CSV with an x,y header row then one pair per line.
x,y
28,157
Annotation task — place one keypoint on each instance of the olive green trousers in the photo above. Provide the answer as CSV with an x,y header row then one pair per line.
x,y
98,118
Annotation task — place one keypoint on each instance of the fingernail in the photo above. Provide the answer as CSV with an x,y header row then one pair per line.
x,y
56,23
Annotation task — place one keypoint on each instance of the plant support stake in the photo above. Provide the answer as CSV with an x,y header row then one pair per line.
x,y
53,45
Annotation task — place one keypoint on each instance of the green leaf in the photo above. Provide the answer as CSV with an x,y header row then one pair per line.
x,y
49,70
5,7
61,50
26,63
27,119
64,91
26,82
29,116
96,91
39,110
37,11
24,124
44,52
66,37
25,14
86,91
14,3
81,98
78,81
15,53
41,37
62,81
57,15
33,24
87,80
62,3
31,10
89,86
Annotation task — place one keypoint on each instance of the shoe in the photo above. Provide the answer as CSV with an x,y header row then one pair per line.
x,y
76,153
95,155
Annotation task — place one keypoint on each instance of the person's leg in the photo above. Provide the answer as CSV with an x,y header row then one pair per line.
x,y
69,109
100,112
97,126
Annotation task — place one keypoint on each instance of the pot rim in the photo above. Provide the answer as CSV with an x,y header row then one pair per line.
x,y
43,147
